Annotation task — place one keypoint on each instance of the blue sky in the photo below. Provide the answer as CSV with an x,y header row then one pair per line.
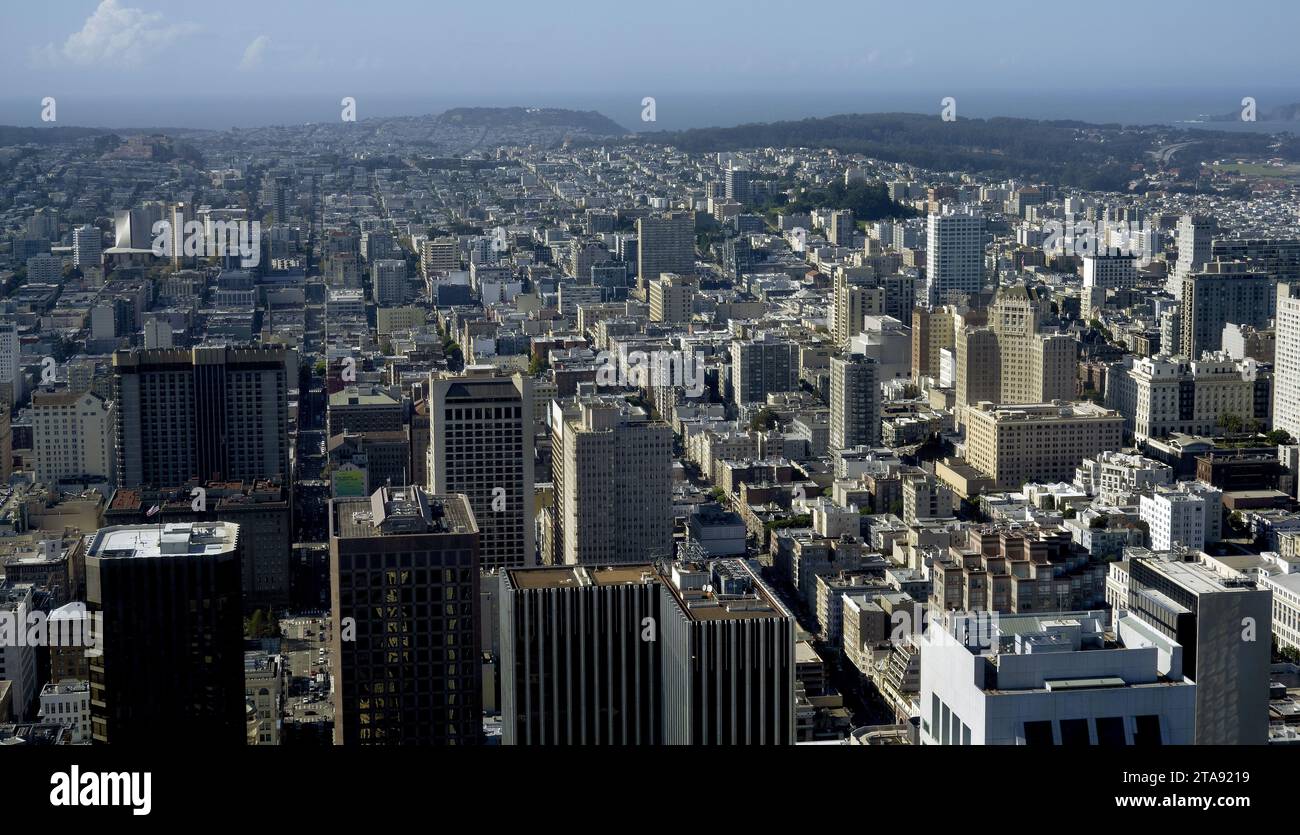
x,y
490,51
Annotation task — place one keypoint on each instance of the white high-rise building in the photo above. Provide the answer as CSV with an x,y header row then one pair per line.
x,y
1195,237
10,360
855,402
87,246
1186,515
67,703
1109,272
72,436
954,254
1286,361
1161,395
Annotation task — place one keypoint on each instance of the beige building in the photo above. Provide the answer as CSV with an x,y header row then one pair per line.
x,y
1043,442
1011,360
932,331
671,296
853,300
72,435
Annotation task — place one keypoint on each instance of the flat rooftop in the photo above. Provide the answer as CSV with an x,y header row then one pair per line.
x,y
172,539
577,576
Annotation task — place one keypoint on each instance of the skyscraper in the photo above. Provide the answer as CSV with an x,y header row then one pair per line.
x,y
481,445
855,402
1286,361
665,245
1195,237
954,255
1219,293
580,659
404,596
615,484
209,413
172,633
388,281
87,246
762,365
72,435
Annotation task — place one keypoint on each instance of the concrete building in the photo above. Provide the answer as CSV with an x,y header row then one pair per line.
x,y
1015,445
1058,678
761,366
388,281
404,576
665,245
1118,478
671,296
67,703
1286,362
73,436
1162,395
1187,515
1222,625
1219,293
1011,360
481,445
855,402
1109,272
18,657
954,255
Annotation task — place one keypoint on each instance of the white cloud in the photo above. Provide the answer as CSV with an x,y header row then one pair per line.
x,y
254,53
115,36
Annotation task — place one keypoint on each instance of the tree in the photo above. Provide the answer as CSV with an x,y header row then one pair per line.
x,y
1279,437
762,420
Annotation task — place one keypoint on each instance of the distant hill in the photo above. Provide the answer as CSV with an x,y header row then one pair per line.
x,y
1281,113
584,121
11,135
1107,157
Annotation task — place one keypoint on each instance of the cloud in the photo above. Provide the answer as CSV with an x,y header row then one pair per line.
x,y
115,36
254,53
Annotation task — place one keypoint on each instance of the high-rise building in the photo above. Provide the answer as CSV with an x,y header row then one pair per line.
x,y
763,365
18,658
481,445
210,413
1286,360
1109,272
439,255
614,487
855,402
1222,625
739,185
854,299
671,297
1163,395
954,255
728,657
404,597
1186,515
73,436
1195,236
840,227
11,352
87,246
1222,292
580,655
932,331
388,281
1012,360
1015,445
665,245
172,634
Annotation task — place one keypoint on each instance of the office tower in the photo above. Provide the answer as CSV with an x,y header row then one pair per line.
x,y
665,245
1219,293
854,299
1195,236
954,255
855,402
840,227
172,634
582,256
87,246
671,297
44,269
1042,443
481,445
1163,395
73,436
616,483
580,656
1037,679
728,657
11,352
177,216
1286,360
761,366
739,185
1109,272
1011,361
404,575
1223,627
388,281
210,413
133,228
366,408
276,198
1279,257
1186,515
439,255
932,331
380,245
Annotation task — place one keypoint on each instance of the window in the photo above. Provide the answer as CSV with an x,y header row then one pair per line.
x,y
1147,731
1039,733
1074,732
1110,731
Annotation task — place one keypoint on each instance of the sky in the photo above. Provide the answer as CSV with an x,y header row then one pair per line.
x,y
165,52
